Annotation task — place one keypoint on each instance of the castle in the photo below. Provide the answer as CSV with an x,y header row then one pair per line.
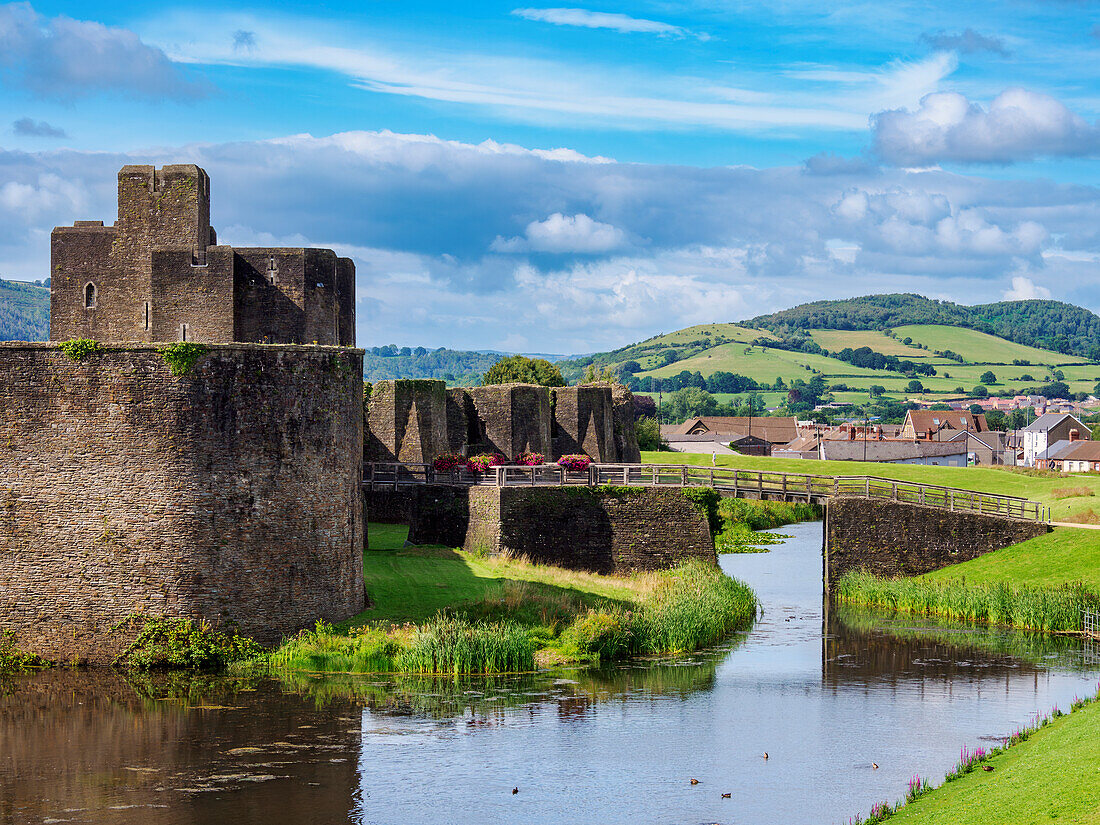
x,y
190,441
201,459
158,274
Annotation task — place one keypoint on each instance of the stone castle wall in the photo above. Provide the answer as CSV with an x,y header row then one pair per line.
x,y
231,493
417,420
601,529
897,539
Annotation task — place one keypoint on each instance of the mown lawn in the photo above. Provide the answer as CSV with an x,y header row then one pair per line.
x,y
1068,496
1067,554
413,584
1054,776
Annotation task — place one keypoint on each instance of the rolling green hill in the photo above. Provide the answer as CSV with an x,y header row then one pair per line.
x,y
24,311
1048,325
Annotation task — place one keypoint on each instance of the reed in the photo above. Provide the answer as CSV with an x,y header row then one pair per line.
x,y
763,515
1045,609
457,646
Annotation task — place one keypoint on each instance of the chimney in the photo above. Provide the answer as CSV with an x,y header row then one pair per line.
x,y
1074,434
852,433
929,433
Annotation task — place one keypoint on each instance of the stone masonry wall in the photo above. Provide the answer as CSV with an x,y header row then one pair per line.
x,y
231,493
511,419
601,529
896,539
406,421
626,440
584,422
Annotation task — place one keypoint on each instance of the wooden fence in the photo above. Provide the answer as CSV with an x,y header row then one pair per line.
x,y
726,480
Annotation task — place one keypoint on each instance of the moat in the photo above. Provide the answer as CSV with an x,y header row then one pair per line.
x,y
824,693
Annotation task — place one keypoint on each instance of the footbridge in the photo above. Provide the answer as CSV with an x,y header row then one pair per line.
x,y
622,517
727,481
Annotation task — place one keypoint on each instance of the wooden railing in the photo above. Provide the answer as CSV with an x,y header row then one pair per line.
x,y
726,480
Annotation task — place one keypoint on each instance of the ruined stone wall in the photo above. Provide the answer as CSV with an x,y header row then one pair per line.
x,y
406,421
626,440
193,303
601,529
512,418
584,422
461,418
81,255
231,493
896,539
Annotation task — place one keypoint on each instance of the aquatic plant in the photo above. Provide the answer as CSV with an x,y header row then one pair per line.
x,y
323,648
181,644
1047,609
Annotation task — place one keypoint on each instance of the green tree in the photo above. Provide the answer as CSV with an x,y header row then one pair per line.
x,y
691,402
523,370
988,377
914,386
648,431
980,392
877,390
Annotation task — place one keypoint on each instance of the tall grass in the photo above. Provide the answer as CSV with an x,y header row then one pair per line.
x,y
455,646
364,650
764,515
1047,609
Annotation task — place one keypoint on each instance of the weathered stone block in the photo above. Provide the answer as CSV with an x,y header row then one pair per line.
x,y
406,421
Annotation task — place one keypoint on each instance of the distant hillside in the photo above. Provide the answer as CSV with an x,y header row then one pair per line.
x,y
456,367
1048,325
24,311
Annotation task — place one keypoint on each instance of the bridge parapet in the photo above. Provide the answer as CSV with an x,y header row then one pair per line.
x,y
727,481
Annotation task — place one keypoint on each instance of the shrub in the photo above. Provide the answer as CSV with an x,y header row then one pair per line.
x,y
182,357
602,635
530,459
481,463
78,349
181,644
447,462
13,659
575,463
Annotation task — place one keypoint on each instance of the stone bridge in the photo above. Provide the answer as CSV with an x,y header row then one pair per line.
x,y
623,517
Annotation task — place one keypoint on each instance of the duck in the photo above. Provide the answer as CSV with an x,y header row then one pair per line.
x,y
987,767
765,754
694,781
727,795
515,791
874,766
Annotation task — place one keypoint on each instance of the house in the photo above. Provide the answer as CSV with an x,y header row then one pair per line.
x,y
756,436
1079,457
1048,429
989,448
940,425
900,451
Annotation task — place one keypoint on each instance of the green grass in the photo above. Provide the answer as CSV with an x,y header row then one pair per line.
x,y
978,347
1063,556
446,611
1041,487
1051,776
1020,605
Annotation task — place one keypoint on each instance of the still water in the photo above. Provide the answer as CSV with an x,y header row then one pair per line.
x,y
825,693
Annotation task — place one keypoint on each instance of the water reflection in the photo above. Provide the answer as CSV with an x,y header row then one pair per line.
x,y
825,692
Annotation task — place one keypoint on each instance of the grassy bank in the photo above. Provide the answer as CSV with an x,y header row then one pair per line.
x,y
1070,497
1019,605
445,611
1042,773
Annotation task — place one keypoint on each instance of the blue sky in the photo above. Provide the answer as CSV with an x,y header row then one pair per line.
x,y
575,177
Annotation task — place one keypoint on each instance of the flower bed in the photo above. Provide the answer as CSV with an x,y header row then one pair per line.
x,y
575,463
481,463
446,463
529,459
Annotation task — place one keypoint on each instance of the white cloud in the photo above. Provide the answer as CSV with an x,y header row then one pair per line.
x,y
564,233
604,20
58,57
967,41
1018,125
1024,289
420,214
